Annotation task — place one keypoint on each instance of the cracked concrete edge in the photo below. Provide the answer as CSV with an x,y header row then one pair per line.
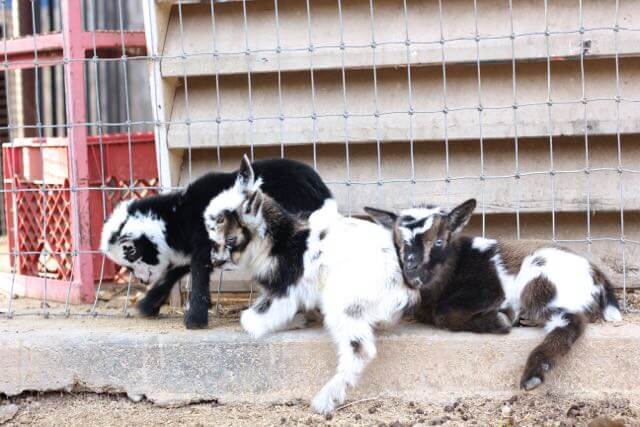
x,y
414,362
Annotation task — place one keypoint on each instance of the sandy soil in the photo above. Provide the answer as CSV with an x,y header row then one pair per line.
x,y
521,409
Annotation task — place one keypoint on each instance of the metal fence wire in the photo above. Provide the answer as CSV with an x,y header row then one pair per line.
x,y
530,106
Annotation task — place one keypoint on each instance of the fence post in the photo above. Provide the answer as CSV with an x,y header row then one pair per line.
x,y
72,27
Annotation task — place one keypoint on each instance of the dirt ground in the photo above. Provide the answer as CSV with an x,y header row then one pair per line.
x,y
520,410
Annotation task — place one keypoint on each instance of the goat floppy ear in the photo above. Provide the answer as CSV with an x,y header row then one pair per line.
x,y
246,177
460,215
384,218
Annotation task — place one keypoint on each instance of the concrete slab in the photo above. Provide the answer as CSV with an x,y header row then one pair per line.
x,y
168,365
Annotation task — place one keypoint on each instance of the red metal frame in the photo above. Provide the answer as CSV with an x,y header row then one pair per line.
x,y
26,171
73,44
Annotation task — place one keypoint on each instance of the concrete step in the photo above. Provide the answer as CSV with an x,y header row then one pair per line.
x,y
161,361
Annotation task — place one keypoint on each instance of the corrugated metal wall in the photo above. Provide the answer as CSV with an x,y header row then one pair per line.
x,y
405,101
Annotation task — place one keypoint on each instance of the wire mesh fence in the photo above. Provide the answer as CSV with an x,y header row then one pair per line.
x,y
530,106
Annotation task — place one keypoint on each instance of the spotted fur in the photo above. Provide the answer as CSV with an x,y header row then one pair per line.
x,y
345,267
483,285
161,238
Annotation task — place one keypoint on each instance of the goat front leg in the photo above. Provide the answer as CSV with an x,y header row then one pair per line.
x,y
563,329
149,306
271,314
197,312
356,348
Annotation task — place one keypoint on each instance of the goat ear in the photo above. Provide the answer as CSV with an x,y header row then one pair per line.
x,y
246,177
253,203
460,215
384,218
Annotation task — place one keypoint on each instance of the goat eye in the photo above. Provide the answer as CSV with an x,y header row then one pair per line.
x,y
220,219
438,242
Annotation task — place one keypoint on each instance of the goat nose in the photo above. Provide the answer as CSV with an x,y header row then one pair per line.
x,y
411,264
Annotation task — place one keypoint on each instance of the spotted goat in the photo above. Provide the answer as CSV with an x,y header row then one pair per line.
x,y
484,285
162,238
345,267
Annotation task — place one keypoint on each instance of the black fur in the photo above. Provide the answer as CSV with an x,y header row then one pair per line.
x,y
297,187
263,305
289,246
149,306
469,297
147,250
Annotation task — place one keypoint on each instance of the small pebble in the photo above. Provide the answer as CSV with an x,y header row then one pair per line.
x,y
464,417
412,404
573,411
283,420
513,399
395,424
373,410
506,411
420,411
328,417
358,417
448,408
436,421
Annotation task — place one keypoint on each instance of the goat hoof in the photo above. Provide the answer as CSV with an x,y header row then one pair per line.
x,y
504,324
323,404
147,309
196,320
531,383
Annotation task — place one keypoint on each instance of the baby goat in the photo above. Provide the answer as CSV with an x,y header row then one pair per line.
x,y
347,268
161,238
483,285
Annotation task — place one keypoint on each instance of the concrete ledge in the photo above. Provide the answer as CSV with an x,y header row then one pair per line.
x,y
168,365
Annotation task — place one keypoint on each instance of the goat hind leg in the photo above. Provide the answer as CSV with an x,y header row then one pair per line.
x,y
356,348
563,330
269,314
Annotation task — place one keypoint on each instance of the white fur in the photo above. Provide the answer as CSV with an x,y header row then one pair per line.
x,y
481,244
555,321
510,287
418,213
117,217
229,199
353,267
137,224
571,275
612,314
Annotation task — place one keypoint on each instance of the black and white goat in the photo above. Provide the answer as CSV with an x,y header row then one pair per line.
x,y
161,238
483,285
347,268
